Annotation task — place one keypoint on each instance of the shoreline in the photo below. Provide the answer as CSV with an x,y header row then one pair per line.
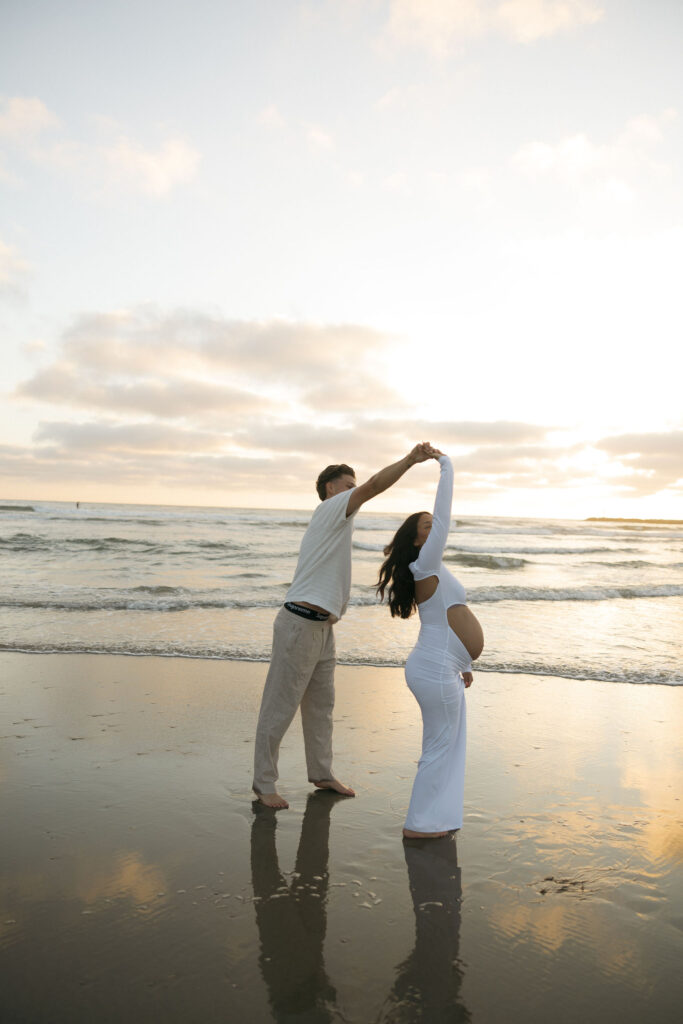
x,y
342,663
133,849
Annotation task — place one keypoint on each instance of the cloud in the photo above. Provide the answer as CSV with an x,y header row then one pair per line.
x,y
529,20
144,338
399,184
115,162
653,461
506,460
182,398
189,364
663,443
13,270
24,118
614,167
172,469
169,398
456,433
297,132
162,455
394,97
441,26
171,458
192,388
129,437
333,444
123,164
271,117
318,138
154,172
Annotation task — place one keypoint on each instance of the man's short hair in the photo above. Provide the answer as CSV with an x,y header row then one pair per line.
x,y
331,473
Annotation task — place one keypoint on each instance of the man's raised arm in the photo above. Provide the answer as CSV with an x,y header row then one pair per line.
x,y
388,476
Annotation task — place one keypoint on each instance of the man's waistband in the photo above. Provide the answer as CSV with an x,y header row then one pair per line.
x,y
306,613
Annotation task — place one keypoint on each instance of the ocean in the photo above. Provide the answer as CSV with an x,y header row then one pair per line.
x,y
577,599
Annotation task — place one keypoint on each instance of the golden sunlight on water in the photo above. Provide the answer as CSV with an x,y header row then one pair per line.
x,y
128,877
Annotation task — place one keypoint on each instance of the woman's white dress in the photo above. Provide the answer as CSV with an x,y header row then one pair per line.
x,y
433,673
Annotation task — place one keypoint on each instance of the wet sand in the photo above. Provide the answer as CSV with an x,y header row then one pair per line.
x,y
139,882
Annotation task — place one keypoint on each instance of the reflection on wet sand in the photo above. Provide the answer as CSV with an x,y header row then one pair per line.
x,y
292,917
427,985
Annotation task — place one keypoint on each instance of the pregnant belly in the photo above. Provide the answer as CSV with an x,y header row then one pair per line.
x,y
467,628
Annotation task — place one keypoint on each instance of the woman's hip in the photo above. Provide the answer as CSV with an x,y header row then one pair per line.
x,y
433,681
430,662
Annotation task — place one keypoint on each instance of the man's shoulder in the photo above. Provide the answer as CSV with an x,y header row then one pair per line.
x,y
332,510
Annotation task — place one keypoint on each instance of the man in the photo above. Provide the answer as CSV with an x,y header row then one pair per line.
x,y
302,661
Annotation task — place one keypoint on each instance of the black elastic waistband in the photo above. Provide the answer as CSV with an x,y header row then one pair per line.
x,y
306,613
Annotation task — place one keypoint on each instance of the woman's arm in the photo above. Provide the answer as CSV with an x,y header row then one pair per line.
x,y
431,552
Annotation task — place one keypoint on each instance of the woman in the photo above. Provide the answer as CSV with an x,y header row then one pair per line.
x,y
438,668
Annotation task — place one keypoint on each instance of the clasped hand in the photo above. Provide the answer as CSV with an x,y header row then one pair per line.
x,y
423,451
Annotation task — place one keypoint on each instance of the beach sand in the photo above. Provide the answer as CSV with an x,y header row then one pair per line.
x,y
139,882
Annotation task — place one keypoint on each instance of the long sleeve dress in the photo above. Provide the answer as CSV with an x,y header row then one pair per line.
x,y
433,674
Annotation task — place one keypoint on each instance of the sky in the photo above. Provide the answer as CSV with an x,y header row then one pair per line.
x,y
243,239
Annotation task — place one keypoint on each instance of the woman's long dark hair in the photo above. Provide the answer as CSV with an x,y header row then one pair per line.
x,y
395,577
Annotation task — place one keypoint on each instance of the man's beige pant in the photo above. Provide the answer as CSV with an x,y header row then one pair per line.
x,y
301,674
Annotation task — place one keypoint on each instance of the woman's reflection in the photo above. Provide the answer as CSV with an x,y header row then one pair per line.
x,y
291,918
427,986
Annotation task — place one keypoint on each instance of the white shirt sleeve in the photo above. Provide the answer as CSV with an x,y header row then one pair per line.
x,y
431,553
335,509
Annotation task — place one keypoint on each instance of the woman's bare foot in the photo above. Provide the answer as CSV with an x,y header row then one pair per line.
x,y
336,785
409,834
273,800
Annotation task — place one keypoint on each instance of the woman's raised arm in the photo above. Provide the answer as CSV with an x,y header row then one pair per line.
x,y
431,552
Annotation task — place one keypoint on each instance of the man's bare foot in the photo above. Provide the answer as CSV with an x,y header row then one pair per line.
x,y
409,834
273,800
336,785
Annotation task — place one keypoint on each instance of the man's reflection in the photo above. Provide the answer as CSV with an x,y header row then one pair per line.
x,y
427,986
291,918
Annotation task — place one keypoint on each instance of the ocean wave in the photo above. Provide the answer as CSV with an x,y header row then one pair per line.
x,y
179,599
38,542
510,529
360,545
240,652
513,549
159,590
136,520
487,595
162,600
483,561
639,563
492,595
466,554
122,520
21,543
24,542
32,542
469,558
261,524
215,545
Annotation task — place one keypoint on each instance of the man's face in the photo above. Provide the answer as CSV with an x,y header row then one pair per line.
x,y
342,483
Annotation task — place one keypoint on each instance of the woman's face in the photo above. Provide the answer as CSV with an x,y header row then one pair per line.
x,y
424,525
